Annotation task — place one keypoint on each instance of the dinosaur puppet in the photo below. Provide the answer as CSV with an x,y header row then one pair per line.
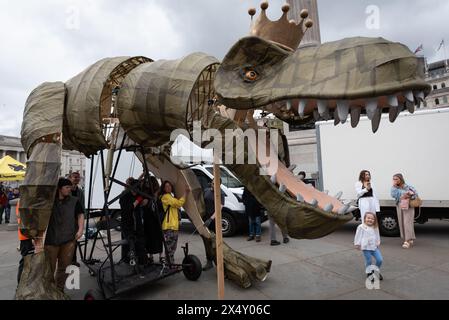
x,y
149,99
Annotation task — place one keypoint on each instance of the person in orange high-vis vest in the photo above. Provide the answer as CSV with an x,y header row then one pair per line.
x,y
26,245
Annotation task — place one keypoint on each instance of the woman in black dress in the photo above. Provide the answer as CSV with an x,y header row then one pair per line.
x,y
152,225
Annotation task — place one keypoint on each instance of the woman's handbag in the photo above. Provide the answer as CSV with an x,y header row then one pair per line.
x,y
404,204
416,202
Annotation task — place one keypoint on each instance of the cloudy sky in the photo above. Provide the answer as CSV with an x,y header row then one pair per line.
x,y
51,40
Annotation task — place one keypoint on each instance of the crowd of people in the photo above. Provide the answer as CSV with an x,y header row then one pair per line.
x,y
150,224
150,220
6,195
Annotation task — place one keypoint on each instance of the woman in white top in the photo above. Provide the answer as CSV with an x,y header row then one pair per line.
x,y
366,194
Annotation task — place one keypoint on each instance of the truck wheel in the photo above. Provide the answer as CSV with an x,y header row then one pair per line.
x,y
228,225
388,225
191,267
93,294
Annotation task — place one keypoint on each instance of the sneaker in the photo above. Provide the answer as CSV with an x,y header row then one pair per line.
x,y
275,243
258,239
250,238
209,265
286,240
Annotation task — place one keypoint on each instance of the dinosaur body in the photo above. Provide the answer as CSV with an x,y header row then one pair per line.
x,y
149,100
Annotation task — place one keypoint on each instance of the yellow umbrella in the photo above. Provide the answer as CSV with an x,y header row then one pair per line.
x,y
11,169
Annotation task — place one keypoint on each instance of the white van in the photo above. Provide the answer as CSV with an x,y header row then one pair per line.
x,y
234,217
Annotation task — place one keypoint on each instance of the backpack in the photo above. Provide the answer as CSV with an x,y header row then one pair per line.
x,y
160,209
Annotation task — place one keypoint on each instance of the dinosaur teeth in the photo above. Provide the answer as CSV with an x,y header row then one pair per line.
x,y
409,96
343,110
355,116
371,107
316,115
410,106
339,195
394,113
419,95
282,188
313,203
302,108
273,179
376,120
343,210
393,101
292,168
329,207
336,118
299,198
323,109
351,209
289,105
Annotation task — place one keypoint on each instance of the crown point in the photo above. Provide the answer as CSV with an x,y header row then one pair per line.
x,y
286,8
309,23
264,5
292,21
304,13
252,11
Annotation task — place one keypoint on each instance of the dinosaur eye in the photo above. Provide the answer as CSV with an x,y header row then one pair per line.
x,y
251,75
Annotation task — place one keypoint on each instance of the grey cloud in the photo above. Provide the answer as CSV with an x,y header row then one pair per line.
x,y
38,43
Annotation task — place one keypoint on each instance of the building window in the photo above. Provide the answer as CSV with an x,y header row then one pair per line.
x,y
443,85
437,101
435,87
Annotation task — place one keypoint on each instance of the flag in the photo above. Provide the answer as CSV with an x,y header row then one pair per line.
x,y
420,48
441,45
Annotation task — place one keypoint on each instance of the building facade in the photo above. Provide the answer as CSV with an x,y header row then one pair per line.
x,y
313,35
302,140
72,161
11,146
437,75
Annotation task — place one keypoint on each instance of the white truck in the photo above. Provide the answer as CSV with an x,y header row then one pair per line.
x,y
129,166
416,145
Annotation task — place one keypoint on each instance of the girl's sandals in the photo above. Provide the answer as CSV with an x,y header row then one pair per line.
x,y
406,245
410,242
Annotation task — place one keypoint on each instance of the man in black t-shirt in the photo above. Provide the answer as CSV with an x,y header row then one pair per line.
x,y
64,229
77,192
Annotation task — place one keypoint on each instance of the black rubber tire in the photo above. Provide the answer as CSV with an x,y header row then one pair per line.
x,y
93,294
192,267
229,226
388,225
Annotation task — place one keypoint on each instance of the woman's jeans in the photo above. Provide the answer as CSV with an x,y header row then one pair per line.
x,y
376,254
255,228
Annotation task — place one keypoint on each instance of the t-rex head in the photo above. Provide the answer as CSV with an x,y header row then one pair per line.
x,y
350,76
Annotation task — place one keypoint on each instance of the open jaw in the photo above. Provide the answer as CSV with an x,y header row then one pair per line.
x,y
310,109
352,76
339,80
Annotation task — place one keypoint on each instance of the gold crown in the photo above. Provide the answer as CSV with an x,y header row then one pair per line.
x,y
284,32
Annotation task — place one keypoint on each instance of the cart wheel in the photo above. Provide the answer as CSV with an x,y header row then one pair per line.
x,y
92,273
191,266
93,294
